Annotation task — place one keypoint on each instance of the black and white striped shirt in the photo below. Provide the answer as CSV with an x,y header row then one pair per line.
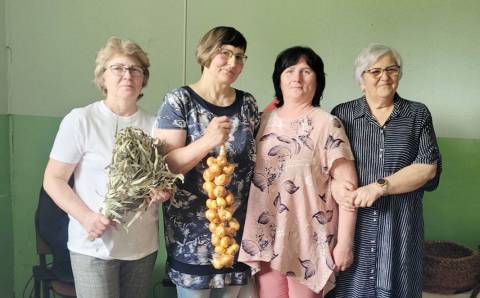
x,y
388,245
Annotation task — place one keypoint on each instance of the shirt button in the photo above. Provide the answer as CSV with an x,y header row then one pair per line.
x,y
374,212
372,249
374,220
371,271
372,241
371,277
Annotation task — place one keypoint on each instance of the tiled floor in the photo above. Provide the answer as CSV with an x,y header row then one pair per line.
x,y
431,295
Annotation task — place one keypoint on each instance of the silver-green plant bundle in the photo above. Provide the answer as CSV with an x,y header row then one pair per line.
x,y
138,166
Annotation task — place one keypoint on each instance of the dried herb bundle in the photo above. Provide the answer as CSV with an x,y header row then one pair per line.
x,y
137,167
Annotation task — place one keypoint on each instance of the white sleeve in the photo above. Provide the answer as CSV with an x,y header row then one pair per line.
x,y
69,142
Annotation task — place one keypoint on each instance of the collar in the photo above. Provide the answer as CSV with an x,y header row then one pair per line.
x,y
401,108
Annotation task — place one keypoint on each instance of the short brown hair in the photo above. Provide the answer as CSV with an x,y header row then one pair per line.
x,y
214,39
120,46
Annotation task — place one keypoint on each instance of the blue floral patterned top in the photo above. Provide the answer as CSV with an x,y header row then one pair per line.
x,y
187,236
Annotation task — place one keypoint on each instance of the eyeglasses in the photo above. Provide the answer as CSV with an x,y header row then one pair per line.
x,y
120,69
391,71
227,54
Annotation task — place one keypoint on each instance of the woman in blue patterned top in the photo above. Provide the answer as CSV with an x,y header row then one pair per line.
x,y
194,121
397,160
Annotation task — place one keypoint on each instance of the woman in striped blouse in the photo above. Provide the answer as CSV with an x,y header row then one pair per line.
x,y
397,159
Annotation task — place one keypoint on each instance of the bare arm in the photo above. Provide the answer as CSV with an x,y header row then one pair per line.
x,y
55,182
181,158
343,171
343,250
344,182
410,178
405,180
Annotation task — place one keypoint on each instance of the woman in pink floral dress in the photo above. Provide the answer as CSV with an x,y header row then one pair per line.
x,y
290,238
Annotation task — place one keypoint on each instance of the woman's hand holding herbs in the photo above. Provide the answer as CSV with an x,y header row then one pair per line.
x,y
158,195
137,167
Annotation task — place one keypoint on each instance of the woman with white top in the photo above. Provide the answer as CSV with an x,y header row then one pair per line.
x,y
116,263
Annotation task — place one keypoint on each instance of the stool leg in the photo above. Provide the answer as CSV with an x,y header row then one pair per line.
x,y
36,288
46,289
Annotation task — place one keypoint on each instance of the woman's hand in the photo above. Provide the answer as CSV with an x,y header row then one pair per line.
x,y
343,257
367,195
217,131
55,182
95,224
158,195
343,193
181,157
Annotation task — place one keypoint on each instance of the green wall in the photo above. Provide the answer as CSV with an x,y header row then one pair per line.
x,y
438,39
32,139
3,62
54,52
50,63
6,243
452,211
6,240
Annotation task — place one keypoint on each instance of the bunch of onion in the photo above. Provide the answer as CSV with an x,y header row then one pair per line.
x,y
138,166
220,209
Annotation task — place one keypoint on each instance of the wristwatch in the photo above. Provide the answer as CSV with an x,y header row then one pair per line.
x,y
383,183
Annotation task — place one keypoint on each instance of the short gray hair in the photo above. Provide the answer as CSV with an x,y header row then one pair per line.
x,y
369,55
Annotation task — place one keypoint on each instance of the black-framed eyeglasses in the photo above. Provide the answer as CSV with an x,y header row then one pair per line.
x,y
391,71
120,69
227,54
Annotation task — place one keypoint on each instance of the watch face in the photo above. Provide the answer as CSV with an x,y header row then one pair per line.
x,y
381,181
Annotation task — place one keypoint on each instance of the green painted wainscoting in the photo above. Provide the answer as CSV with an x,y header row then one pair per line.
x,y
6,240
451,212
